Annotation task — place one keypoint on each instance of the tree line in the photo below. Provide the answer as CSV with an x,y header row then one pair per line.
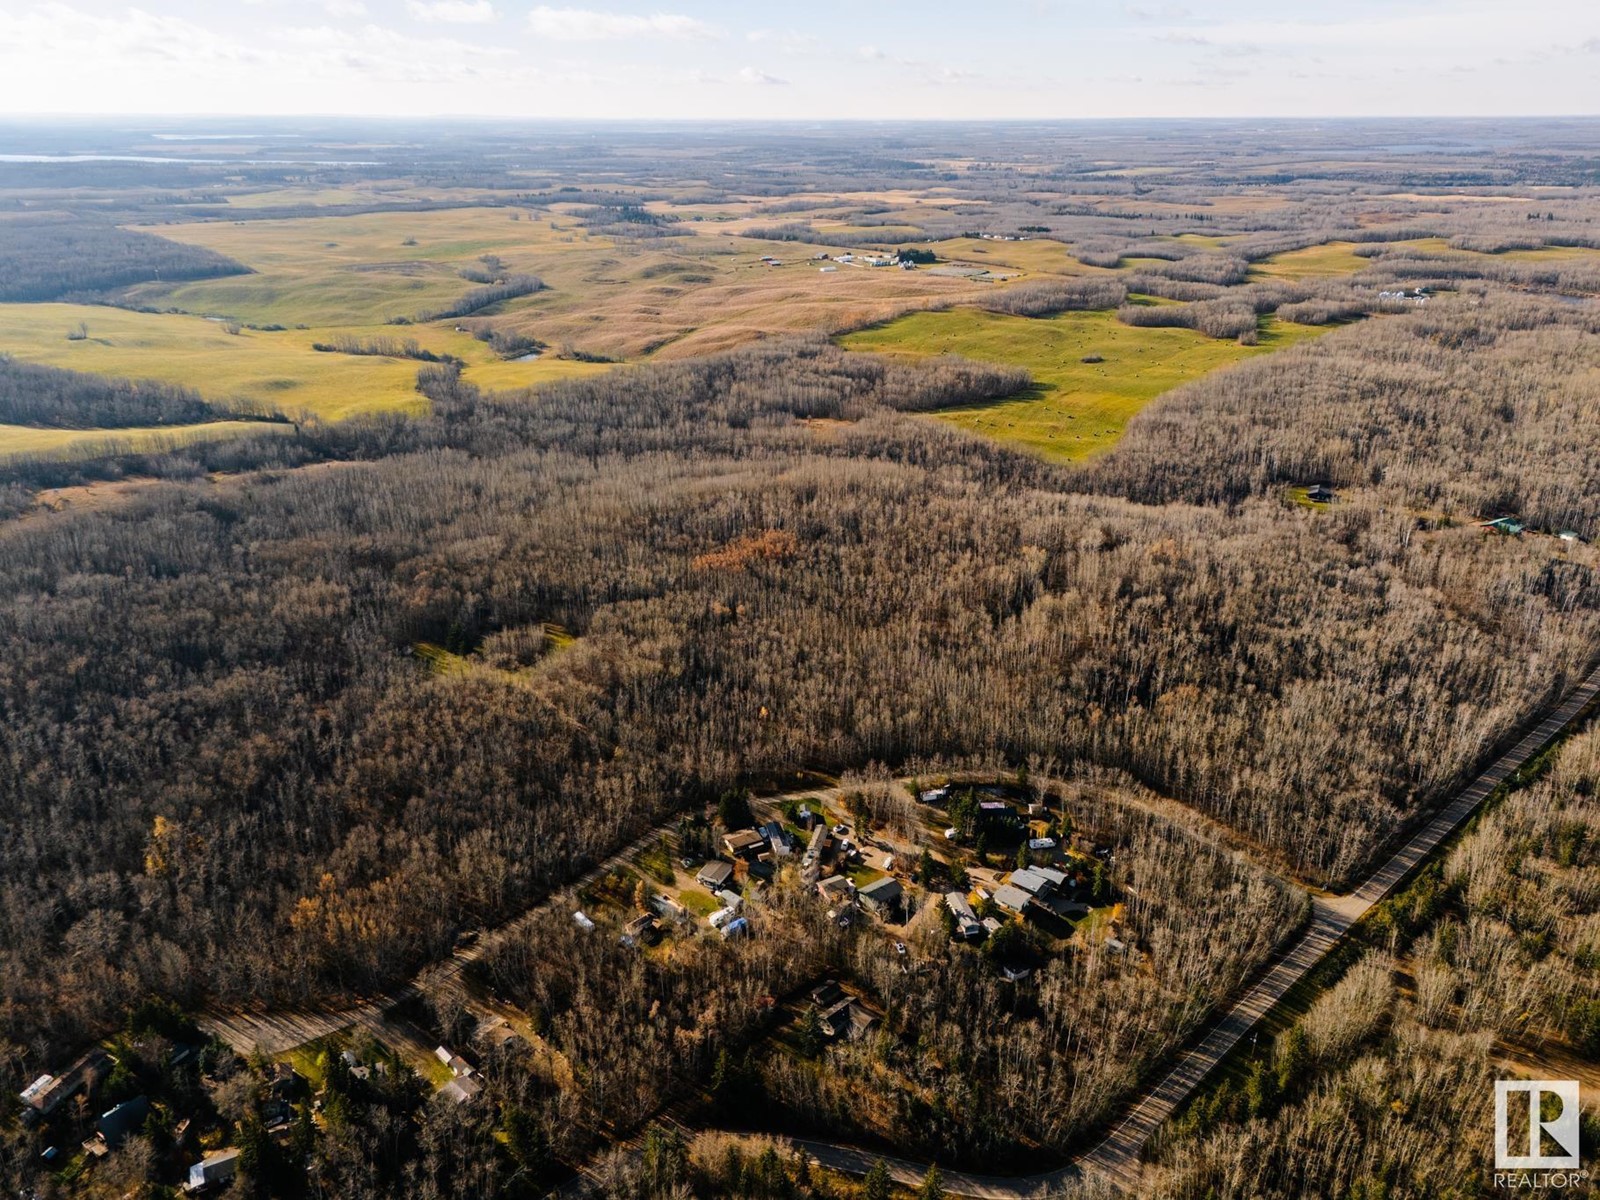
x,y
51,259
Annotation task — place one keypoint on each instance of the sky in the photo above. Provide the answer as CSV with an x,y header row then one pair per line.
x,y
822,59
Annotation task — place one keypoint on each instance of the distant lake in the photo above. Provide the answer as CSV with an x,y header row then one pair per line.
x,y
200,162
219,137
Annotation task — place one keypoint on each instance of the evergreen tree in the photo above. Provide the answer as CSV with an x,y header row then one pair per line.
x,y
770,1180
665,1160
878,1185
526,1140
1099,884
802,1168
719,1073
733,809
811,1035
1294,1059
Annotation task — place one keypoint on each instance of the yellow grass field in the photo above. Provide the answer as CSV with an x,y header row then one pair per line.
x,y
1547,254
26,440
276,369
1076,409
1336,258
1314,262
279,370
290,197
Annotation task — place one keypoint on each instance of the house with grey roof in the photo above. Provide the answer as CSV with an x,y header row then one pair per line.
x,y
1012,899
882,898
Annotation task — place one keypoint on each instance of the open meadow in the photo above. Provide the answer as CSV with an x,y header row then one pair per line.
x,y
1091,372
1314,262
680,278
248,338
270,370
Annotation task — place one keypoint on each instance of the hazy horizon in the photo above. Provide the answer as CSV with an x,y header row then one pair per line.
x,y
711,59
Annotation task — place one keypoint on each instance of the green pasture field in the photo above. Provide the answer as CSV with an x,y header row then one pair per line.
x,y
1314,262
1076,409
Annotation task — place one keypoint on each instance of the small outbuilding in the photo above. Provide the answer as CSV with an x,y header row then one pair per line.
x,y
837,889
714,876
216,1168
461,1089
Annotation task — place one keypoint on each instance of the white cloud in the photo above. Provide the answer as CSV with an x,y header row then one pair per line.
x,y
758,76
930,72
334,8
49,36
589,25
451,12
376,53
1371,57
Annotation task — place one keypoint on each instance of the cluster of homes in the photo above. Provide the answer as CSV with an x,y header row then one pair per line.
x,y
862,260
464,1084
1034,891
1042,890
753,856
47,1095
831,851
752,859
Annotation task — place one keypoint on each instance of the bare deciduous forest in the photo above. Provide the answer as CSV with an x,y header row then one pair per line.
x,y
1485,964
283,718
45,260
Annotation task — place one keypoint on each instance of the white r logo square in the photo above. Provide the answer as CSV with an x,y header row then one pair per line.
x,y
1562,1128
